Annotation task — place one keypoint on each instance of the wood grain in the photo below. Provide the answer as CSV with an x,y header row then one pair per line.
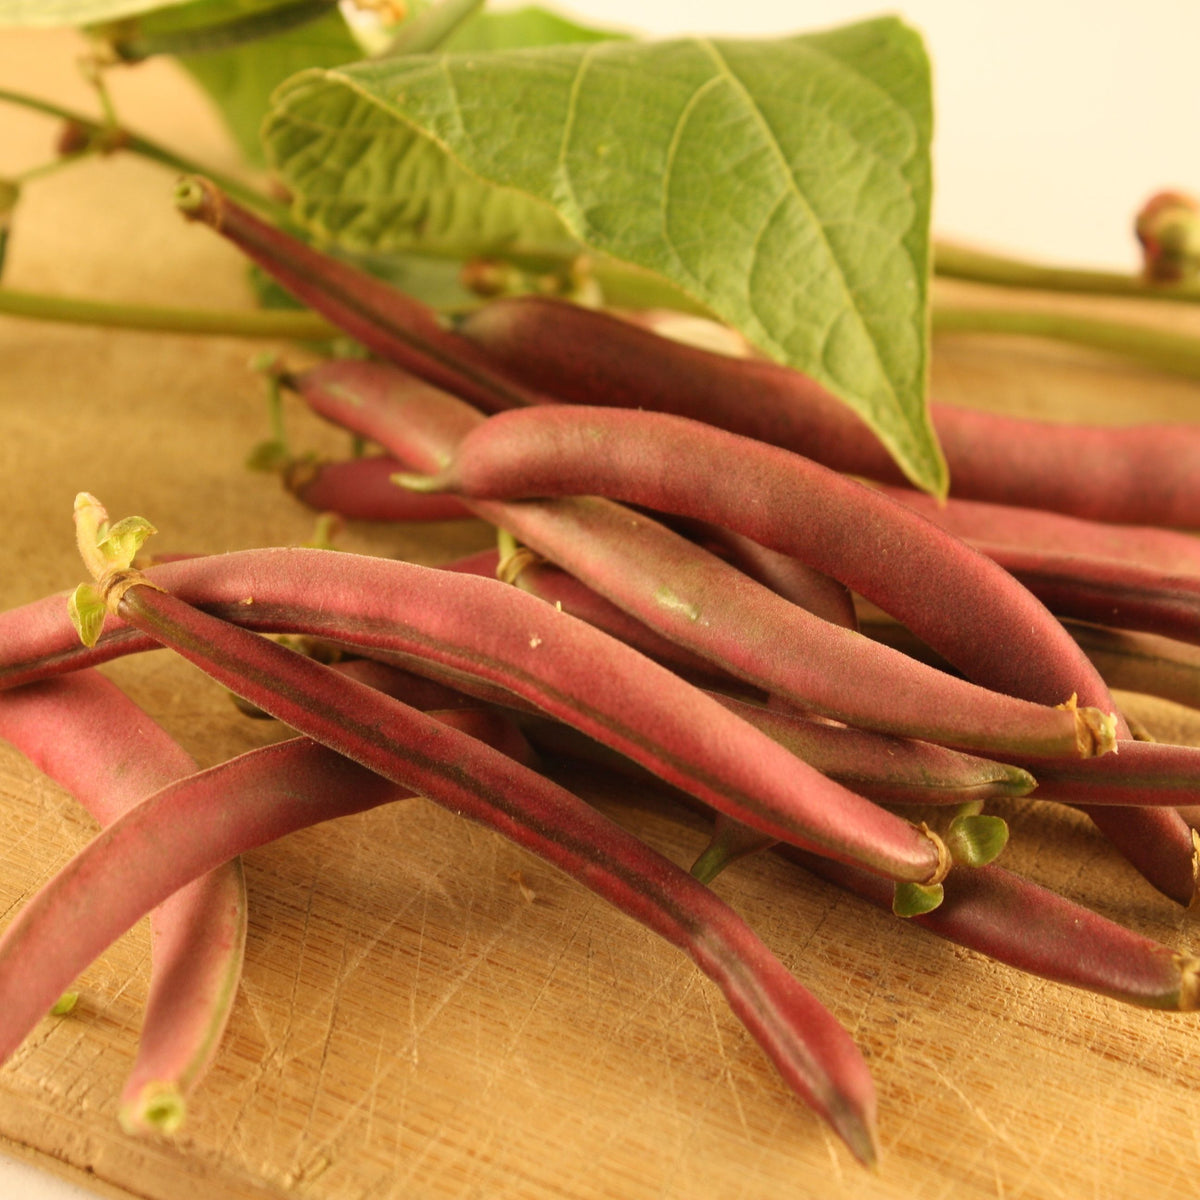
x,y
428,1012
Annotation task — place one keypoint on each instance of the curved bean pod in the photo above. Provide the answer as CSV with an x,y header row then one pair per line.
x,y
1142,662
1167,550
700,602
814,1054
1143,474
395,326
1016,922
84,733
952,597
1106,591
361,489
555,450
483,629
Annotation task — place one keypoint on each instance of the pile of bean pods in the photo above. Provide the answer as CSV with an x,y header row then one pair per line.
x,y
690,584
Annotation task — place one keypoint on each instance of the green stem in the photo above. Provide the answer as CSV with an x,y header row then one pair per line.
x,y
224,35
430,28
48,168
117,138
250,323
960,262
1176,352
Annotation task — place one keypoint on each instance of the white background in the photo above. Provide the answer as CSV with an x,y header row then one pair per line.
x,y
1055,119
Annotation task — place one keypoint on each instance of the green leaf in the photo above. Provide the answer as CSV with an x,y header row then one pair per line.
x,y
370,183
52,13
782,185
522,28
240,79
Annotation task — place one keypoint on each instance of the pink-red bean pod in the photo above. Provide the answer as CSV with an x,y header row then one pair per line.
x,y
885,769
153,852
911,569
817,1058
1142,474
788,577
693,598
385,320
83,732
483,629
1106,591
1142,662
1169,551
1146,774
1018,923
533,574
361,489
952,597
889,770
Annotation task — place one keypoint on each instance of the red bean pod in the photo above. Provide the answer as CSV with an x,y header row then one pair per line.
x,y
361,489
483,629
1142,474
815,1055
1168,550
1016,922
954,598
1107,591
1142,662
385,320
533,574
91,739
700,602
904,564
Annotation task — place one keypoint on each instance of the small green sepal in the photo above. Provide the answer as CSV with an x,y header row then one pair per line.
x,y
64,1004
411,481
975,839
913,899
120,542
269,457
86,608
158,1108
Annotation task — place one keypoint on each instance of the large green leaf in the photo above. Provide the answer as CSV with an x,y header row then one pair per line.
x,y
240,79
783,185
53,13
520,29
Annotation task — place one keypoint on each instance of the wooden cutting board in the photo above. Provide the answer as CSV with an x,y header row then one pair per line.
x,y
428,1012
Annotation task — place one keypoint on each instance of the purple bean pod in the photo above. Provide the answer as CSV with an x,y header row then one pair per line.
x,y
1018,923
1168,550
385,320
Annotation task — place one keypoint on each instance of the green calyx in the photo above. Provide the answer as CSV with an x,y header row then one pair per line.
x,y
914,899
108,552
975,839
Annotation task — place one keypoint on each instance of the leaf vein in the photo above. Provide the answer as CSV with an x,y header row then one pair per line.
x,y
564,189
668,166
760,118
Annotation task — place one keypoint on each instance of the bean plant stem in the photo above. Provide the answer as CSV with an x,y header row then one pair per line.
x,y
429,28
1158,348
116,137
248,323
961,262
